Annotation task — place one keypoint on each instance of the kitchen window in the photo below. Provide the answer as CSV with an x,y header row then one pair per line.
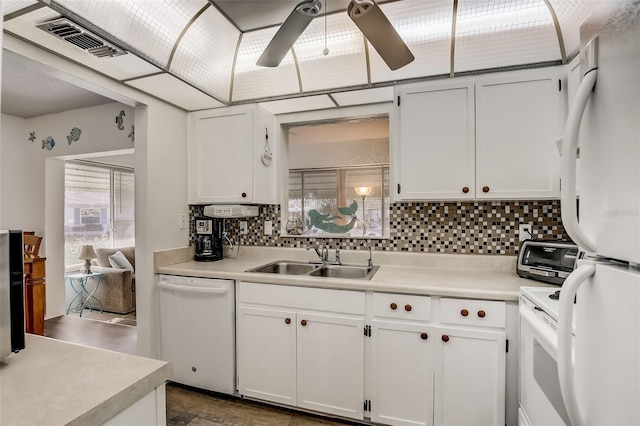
x,y
99,207
347,201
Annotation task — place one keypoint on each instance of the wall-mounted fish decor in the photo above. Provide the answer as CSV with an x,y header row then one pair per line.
x,y
120,120
132,133
74,136
48,143
32,136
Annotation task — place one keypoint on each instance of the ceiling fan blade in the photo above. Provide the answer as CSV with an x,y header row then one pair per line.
x,y
295,24
375,26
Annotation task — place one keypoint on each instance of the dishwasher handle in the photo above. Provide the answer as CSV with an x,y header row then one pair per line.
x,y
189,289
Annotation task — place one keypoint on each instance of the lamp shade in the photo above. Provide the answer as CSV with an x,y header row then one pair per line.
x,y
87,253
363,191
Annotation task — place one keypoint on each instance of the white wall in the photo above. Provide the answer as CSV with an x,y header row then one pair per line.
x,y
161,177
348,153
36,191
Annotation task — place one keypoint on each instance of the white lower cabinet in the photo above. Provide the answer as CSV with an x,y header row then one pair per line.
x,y
469,377
429,360
313,359
402,373
266,341
330,364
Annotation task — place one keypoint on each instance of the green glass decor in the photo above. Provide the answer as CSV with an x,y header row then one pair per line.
x,y
325,222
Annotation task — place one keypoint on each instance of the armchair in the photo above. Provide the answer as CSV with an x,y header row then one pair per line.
x,y
117,293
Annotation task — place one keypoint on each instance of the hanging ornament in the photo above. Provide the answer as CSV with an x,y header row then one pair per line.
x,y
266,155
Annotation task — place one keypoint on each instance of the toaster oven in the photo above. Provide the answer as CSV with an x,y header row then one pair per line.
x,y
550,261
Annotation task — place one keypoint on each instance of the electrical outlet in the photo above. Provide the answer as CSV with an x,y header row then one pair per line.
x,y
525,231
243,227
182,221
268,227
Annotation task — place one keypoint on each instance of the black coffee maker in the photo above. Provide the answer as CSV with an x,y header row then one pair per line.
x,y
208,239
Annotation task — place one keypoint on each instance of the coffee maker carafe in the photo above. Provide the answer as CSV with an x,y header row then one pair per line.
x,y
208,239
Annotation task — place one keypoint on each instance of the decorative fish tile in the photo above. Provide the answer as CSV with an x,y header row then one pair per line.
x,y
32,136
132,134
74,136
48,143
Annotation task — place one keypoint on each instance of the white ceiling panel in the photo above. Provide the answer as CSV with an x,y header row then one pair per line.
x,y
254,82
427,33
10,6
498,33
165,86
362,97
205,55
119,67
150,27
344,66
571,14
308,103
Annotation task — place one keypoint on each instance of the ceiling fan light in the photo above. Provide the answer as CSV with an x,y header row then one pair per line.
x,y
376,28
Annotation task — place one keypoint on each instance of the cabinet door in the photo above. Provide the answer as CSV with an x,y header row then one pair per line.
x,y
220,157
331,364
517,125
437,143
266,341
402,373
469,377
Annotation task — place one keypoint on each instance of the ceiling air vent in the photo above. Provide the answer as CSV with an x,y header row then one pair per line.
x,y
81,38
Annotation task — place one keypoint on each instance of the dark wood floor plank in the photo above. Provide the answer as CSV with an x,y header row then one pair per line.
x,y
97,334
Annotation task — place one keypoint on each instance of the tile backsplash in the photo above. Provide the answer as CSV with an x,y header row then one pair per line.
x,y
481,227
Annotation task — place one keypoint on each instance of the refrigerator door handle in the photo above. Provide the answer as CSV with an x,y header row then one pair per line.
x,y
565,346
569,209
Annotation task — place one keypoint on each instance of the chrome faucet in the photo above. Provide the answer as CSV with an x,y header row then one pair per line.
x,y
337,261
370,262
323,253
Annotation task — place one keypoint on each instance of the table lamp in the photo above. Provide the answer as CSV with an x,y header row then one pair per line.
x,y
87,253
363,191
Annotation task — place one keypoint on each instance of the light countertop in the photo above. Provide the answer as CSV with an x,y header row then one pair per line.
x,y
467,276
58,383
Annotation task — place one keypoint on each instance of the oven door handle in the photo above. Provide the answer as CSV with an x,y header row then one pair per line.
x,y
565,342
542,329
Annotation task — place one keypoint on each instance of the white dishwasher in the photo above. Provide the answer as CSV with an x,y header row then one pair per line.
x,y
197,331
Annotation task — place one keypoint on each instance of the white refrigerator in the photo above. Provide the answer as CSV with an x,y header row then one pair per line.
x,y
599,367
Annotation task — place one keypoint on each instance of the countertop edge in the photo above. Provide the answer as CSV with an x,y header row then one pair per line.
x,y
119,402
433,289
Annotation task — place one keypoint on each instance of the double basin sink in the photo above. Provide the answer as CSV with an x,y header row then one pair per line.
x,y
289,267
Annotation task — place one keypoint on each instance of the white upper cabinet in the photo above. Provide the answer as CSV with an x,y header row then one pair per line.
x,y
437,150
225,149
486,137
518,122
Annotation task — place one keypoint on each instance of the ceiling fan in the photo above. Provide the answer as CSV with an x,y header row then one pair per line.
x,y
366,14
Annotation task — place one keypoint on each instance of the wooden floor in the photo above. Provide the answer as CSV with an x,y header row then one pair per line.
x,y
185,406
88,332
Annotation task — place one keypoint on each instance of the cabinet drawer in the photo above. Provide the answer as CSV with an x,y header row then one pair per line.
x,y
487,313
402,306
309,298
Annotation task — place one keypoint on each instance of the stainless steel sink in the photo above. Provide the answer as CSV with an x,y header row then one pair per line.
x,y
285,267
289,267
344,271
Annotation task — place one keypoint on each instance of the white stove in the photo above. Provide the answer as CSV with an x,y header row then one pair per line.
x,y
540,398
545,298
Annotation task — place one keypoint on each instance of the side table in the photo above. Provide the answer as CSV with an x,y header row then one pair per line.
x,y
78,283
